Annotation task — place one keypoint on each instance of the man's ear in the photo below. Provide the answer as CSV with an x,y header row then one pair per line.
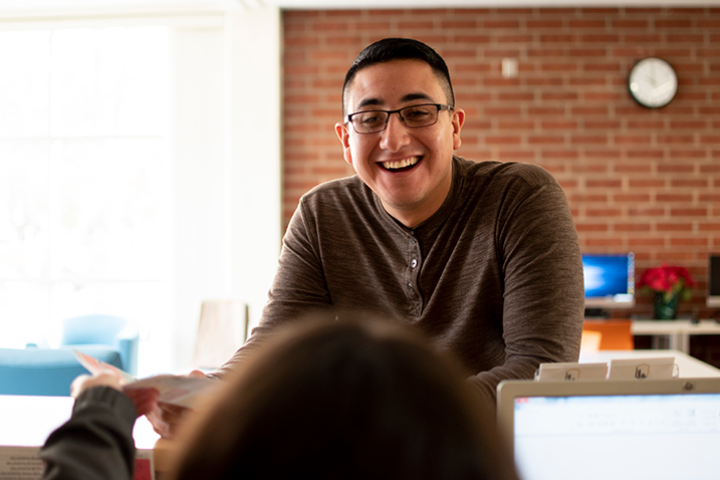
x,y
458,120
344,136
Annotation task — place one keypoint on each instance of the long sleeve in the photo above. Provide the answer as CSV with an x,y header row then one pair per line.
x,y
543,299
96,443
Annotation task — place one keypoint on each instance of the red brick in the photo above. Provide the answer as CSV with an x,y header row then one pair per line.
x,y
588,52
603,212
646,124
646,212
645,153
546,111
502,140
602,124
673,24
589,198
583,24
642,38
553,81
632,139
603,96
646,242
590,139
604,242
602,38
624,23
516,96
631,198
501,24
674,227
591,227
590,110
472,38
545,140
509,155
646,183
502,111
565,155
603,183
632,168
683,183
675,197
687,38
601,67
516,125
559,124
554,24
458,24
688,212
631,227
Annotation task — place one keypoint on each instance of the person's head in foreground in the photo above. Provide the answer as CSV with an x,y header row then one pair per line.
x,y
351,399
400,126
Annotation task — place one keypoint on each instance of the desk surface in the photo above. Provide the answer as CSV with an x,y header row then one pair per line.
x,y
28,420
670,327
689,367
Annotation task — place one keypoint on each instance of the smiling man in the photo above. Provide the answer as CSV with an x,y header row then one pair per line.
x,y
481,257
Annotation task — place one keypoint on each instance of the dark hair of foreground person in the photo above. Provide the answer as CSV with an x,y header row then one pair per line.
x,y
353,399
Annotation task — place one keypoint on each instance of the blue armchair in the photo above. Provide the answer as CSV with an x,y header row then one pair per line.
x,y
104,330
46,371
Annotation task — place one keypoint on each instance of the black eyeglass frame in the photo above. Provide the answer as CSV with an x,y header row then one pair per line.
x,y
440,107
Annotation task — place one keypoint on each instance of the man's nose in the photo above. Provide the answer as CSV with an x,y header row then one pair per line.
x,y
395,136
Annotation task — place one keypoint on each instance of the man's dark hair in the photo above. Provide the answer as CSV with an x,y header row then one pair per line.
x,y
389,49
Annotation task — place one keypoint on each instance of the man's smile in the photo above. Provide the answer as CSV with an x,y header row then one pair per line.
x,y
404,164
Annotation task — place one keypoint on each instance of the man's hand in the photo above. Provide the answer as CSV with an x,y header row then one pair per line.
x,y
164,417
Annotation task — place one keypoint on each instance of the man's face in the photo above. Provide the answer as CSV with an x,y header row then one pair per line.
x,y
410,169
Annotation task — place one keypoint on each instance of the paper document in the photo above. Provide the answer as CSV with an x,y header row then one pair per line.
x,y
177,390
24,463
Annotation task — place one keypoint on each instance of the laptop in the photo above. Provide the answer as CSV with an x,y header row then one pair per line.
x,y
618,430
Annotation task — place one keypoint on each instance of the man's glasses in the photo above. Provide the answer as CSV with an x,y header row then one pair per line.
x,y
414,116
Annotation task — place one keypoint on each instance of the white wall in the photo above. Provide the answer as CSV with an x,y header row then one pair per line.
x,y
227,169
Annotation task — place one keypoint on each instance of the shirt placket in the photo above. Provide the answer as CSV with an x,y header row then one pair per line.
x,y
414,262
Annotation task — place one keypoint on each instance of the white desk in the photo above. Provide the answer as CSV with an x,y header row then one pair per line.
x,y
26,422
678,332
689,367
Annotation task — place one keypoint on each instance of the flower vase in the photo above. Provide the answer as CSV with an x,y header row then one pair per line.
x,y
665,309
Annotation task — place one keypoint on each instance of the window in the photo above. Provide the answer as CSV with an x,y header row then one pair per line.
x,y
85,179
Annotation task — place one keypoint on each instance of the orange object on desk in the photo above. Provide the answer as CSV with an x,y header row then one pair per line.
x,y
615,334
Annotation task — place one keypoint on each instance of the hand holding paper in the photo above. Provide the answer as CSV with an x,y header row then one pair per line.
x,y
164,399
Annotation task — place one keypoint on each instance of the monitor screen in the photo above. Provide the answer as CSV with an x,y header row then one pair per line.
x,y
609,280
713,298
623,437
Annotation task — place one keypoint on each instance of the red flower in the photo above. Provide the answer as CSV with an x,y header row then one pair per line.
x,y
667,279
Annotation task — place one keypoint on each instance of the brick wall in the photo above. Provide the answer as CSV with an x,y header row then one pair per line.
x,y
639,180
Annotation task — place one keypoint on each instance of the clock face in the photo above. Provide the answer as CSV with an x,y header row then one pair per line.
x,y
653,82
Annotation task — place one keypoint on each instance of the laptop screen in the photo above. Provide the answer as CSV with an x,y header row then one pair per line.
x,y
639,436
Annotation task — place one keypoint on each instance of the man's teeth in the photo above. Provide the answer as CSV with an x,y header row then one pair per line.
x,y
400,163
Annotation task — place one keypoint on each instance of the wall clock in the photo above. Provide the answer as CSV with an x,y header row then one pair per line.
x,y
653,82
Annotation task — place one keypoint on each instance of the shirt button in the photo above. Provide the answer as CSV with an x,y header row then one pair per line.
x,y
414,263
409,286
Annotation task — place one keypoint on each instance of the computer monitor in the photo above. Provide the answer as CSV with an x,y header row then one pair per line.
x,y
609,280
619,430
713,298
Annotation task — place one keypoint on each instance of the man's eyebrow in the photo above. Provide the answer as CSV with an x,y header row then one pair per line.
x,y
415,96
406,98
369,101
